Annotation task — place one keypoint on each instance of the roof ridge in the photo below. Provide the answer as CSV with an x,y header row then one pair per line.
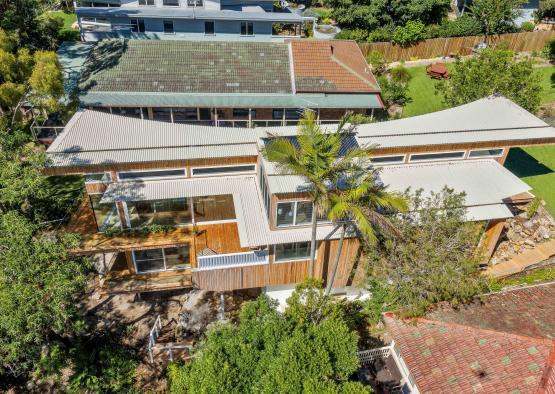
x,y
449,132
349,69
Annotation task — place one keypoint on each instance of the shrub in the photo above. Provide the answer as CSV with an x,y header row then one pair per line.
x,y
377,61
412,32
352,34
460,27
549,50
381,34
527,26
400,74
393,92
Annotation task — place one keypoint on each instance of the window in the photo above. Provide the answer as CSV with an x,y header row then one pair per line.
x,y
168,26
166,259
98,177
290,113
181,115
293,213
247,29
132,112
170,3
239,169
131,175
138,25
243,113
195,3
294,251
265,193
170,212
388,159
485,153
437,156
209,29
213,208
146,2
106,215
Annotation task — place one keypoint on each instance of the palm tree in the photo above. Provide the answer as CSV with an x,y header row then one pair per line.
x,y
316,156
359,205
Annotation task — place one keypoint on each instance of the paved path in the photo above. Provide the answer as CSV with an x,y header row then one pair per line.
x,y
522,261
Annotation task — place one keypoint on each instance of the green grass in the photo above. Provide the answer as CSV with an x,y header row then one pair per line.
x,y
68,17
547,75
539,275
422,91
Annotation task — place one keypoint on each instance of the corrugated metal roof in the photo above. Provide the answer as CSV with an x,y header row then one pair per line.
x,y
211,100
185,13
488,212
492,113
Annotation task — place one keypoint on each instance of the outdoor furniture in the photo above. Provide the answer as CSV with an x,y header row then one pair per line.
x,y
437,71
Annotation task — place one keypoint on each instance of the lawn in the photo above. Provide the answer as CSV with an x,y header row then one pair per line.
x,y
534,165
68,17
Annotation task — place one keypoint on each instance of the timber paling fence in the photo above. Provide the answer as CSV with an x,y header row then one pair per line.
x,y
437,47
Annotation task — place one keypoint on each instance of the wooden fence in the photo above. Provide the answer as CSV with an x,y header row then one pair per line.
x,y
436,47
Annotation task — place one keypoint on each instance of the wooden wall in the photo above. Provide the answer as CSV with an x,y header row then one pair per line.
x,y
436,47
284,273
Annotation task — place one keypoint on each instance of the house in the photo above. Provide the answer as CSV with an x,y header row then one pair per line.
x,y
243,20
220,217
227,83
502,343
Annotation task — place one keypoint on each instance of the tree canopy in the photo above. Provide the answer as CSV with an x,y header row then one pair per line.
x,y
311,348
496,16
434,258
493,71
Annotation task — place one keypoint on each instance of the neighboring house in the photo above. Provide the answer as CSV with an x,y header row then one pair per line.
x,y
501,343
245,20
228,83
234,221
526,11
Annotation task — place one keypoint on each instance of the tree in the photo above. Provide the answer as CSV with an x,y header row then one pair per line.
x,y
310,348
546,10
549,50
411,32
38,284
496,16
318,159
493,71
434,259
359,205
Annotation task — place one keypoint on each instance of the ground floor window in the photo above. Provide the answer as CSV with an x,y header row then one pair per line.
x,y
292,251
167,259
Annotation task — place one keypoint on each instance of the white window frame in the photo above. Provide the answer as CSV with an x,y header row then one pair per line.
x,y
195,6
440,159
207,34
295,260
384,163
224,173
154,178
94,182
295,202
163,258
147,5
246,29
486,157
138,31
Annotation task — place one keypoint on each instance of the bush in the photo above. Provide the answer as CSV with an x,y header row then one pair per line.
x,y
549,50
352,34
527,26
412,32
382,34
393,92
400,74
460,27
377,61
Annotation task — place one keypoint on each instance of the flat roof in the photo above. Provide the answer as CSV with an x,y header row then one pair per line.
x,y
227,73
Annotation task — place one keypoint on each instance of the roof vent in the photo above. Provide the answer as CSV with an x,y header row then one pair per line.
x,y
262,54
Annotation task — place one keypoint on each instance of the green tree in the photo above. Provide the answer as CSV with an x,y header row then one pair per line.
x,y
549,50
411,32
433,259
38,284
546,10
359,205
496,16
493,71
318,159
310,349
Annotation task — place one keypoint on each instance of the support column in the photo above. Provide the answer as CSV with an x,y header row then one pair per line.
x,y
130,263
250,117
222,306
150,113
171,114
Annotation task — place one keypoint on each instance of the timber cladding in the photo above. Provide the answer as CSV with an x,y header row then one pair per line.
x,y
286,272
437,47
156,165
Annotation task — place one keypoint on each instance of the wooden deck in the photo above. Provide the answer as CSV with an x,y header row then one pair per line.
x,y
126,282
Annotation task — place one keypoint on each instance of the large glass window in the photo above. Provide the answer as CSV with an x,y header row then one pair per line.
x,y
146,2
293,213
125,176
171,3
290,113
166,259
138,25
184,114
171,212
238,169
98,177
209,29
247,29
168,26
214,208
293,251
437,156
106,215
388,159
485,153
195,3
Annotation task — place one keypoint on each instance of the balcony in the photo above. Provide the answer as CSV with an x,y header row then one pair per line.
x,y
232,260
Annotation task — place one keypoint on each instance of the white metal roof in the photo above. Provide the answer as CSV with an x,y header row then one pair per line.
x,y
252,222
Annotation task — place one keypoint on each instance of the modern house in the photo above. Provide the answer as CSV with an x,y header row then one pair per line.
x,y
173,205
502,343
226,83
243,20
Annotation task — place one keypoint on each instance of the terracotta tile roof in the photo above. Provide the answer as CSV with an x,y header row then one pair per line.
x,y
450,358
503,343
331,66
526,311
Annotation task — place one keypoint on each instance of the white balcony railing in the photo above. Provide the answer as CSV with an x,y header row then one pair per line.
x,y
370,355
231,260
